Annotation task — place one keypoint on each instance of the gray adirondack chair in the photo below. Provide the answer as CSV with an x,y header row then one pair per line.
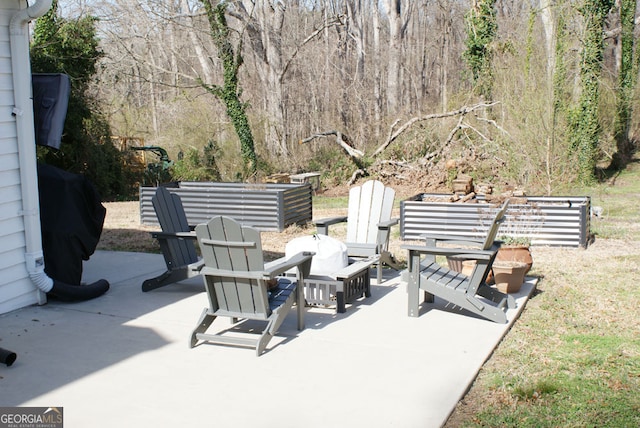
x,y
236,277
369,223
177,241
425,273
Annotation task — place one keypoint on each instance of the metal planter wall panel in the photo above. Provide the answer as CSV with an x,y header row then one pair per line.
x,y
553,221
269,207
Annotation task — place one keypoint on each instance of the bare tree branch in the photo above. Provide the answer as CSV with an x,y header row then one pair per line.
x,y
460,112
313,35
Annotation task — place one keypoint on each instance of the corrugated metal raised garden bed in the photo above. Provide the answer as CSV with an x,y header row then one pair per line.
x,y
268,207
546,220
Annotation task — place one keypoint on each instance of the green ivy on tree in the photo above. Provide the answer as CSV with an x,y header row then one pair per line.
x,y
560,92
482,29
584,124
626,85
229,92
70,46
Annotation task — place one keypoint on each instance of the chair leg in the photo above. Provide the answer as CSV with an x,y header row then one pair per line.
x,y
496,296
166,278
387,259
367,284
413,292
263,341
341,306
428,297
156,282
203,324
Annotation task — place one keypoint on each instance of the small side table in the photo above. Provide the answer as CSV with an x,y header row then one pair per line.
x,y
340,288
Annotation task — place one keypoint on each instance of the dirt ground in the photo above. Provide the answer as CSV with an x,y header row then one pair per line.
x,y
122,230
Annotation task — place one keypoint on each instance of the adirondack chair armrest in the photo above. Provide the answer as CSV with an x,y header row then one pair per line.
x,y
467,253
197,266
384,231
322,225
355,268
174,235
432,239
283,264
271,269
387,224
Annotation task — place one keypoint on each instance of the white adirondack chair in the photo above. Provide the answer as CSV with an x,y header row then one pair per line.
x,y
369,223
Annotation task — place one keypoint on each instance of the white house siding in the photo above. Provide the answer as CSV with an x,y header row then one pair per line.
x,y
16,288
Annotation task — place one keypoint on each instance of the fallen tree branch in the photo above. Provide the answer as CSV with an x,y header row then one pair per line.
x,y
342,140
494,123
480,134
460,112
467,197
453,132
391,128
357,173
397,163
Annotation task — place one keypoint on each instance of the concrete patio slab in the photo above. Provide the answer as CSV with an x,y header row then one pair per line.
x,y
123,360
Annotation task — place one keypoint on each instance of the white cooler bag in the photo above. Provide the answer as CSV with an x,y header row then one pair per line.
x,y
330,257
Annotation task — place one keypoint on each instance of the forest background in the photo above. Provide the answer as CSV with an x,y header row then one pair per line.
x,y
538,94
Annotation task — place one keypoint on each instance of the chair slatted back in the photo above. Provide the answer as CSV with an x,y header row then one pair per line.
x,y
493,230
369,205
228,246
172,219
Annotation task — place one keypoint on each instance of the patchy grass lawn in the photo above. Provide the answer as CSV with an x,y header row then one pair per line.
x,y
573,357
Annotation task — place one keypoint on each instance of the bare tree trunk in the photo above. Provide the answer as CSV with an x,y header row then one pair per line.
x,y
377,74
264,24
394,87
201,55
548,25
152,93
357,31
445,30
627,77
327,56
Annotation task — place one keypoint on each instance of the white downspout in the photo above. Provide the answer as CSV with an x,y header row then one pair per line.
x,y
23,111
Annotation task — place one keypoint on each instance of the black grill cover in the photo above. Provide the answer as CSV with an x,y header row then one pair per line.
x,y
72,217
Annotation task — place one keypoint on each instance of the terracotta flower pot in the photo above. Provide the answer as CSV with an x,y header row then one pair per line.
x,y
455,263
515,253
509,275
469,265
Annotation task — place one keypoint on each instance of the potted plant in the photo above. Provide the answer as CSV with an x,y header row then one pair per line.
x,y
515,234
508,275
515,249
